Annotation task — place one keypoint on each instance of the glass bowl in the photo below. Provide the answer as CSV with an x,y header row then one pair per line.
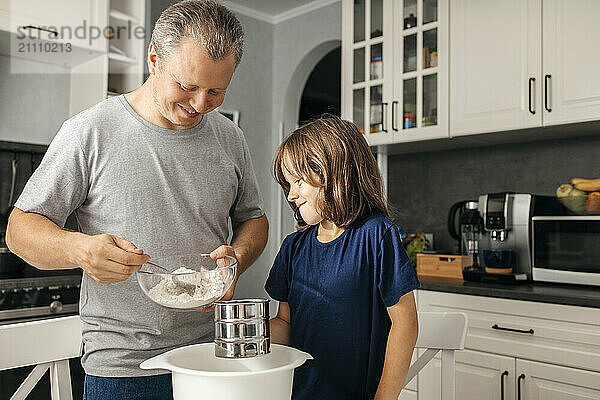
x,y
195,281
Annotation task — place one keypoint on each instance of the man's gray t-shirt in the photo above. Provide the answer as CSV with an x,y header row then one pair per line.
x,y
169,192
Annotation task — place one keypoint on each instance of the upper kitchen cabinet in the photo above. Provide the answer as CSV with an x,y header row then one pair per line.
x,y
395,69
62,43
522,63
420,71
571,81
75,24
366,66
495,65
126,46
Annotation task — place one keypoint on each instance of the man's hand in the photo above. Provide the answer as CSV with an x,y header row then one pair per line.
x,y
108,258
220,253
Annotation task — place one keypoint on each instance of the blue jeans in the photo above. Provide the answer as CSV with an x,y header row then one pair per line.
x,y
157,387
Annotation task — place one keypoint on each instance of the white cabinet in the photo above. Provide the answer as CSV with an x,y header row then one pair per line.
x,y
105,38
62,37
367,33
522,63
478,376
419,107
126,55
495,63
395,69
94,69
542,351
571,56
550,382
79,23
489,376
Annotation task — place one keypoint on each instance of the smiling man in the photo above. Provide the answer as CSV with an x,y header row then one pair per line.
x,y
155,169
183,86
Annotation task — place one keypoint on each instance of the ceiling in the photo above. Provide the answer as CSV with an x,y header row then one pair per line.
x,y
274,9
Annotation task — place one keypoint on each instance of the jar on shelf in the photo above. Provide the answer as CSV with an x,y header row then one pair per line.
x,y
433,59
376,67
376,118
426,57
409,120
410,21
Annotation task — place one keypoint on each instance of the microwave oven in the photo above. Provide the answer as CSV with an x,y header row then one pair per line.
x,y
566,248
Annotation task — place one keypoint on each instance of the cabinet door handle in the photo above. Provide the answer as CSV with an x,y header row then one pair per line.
x,y
394,107
531,93
383,109
521,377
505,373
55,33
500,328
547,82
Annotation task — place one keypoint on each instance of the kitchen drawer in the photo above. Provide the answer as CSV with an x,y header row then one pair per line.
x,y
562,335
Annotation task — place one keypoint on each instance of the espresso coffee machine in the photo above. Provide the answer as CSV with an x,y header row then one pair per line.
x,y
504,240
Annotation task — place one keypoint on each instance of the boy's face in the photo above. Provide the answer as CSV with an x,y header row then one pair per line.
x,y
305,196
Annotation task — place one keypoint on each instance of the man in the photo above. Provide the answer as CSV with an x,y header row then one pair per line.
x,y
156,169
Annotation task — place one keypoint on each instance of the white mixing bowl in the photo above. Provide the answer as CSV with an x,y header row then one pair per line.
x,y
198,373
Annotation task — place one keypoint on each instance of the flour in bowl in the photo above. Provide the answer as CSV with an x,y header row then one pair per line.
x,y
208,286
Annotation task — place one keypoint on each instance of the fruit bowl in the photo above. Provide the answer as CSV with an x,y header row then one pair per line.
x,y
581,196
194,281
586,204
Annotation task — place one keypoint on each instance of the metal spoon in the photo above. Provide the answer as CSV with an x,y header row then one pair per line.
x,y
184,285
158,266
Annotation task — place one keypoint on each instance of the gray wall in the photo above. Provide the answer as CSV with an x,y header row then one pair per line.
x,y
300,43
250,93
272,60
423,186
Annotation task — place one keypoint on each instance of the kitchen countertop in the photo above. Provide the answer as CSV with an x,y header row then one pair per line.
x,y
566,294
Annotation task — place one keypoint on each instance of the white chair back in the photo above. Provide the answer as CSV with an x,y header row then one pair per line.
x,y
48,344
445,332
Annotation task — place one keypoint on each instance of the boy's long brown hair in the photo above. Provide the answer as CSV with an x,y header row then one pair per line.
x,y
331,154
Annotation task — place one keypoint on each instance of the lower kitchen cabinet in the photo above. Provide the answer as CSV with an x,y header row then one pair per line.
x,y
478,376
492,377
518,350
552,382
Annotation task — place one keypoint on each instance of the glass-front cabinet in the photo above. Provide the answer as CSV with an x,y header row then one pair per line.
x,y
365,65
395,69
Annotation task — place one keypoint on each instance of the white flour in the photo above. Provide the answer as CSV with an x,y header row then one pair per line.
x,y
208,288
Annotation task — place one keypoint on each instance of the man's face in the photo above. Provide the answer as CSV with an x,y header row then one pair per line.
x,y
188,85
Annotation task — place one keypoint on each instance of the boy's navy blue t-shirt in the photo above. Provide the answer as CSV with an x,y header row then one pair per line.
x,y
338,293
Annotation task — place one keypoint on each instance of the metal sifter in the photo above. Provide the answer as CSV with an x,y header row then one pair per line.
x,y
242,328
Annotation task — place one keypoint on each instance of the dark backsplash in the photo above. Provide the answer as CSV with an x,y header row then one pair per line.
x,y
423,186
28,158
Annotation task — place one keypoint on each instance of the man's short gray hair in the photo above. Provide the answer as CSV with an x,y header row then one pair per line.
x,y
212,25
